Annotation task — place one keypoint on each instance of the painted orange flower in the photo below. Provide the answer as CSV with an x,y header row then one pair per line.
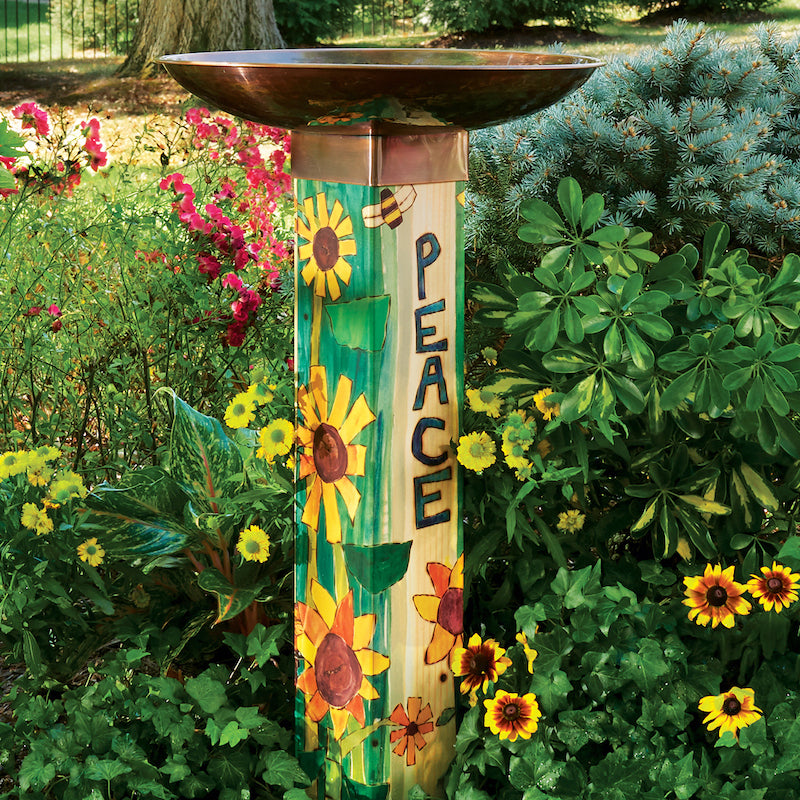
x,y
334,643
730,710
775,587
444,609
328,239
508,715
715,597
410,737
329,456
478,663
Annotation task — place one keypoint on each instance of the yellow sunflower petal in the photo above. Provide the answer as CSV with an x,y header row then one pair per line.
x,y
367,690
427,606
356,459
333,525
350,495
363,628
441,643
372,663
341,401
322,210
333,285
359,417
336,215
323,602
311,510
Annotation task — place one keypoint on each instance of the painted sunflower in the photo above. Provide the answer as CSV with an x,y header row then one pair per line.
x,y
328,239
414,724
508,715
329,456
715,597
730,711
334,643
445,609
478,663
775,587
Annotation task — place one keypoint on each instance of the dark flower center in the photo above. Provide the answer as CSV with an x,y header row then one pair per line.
x,y
451,611
774,585
325,248
511,711
412,729
330,453
731,706
480,663
337,671
716,596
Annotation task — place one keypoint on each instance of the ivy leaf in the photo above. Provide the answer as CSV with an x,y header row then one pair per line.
x,y
208,693
283,769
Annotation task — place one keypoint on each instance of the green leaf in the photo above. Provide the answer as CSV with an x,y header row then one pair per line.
x,y
231,600
377,567
123,536
551,690
565,361
202,457
592,210
34,773
360,324
97,769
677,392
578,400
714,243
570,198
209,694
139,494
283,769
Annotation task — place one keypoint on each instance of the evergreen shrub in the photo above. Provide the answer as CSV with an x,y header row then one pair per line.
x,y
682,135
479,15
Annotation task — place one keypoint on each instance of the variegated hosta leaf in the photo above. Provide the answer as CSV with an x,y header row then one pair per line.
x,y
202,456
121,535
143,493
231,600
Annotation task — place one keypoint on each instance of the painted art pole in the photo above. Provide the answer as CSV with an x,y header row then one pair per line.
x,y
379,162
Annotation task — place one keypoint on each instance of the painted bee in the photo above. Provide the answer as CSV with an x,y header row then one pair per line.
x,y
391,207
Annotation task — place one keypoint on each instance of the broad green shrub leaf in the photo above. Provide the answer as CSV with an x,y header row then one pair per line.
x,y
141,493
231,600
202,457
282,769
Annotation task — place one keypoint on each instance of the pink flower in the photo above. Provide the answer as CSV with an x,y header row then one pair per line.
x,y
57,325
91,129
32,117
232,281
98,156
53,310
33,311
209,265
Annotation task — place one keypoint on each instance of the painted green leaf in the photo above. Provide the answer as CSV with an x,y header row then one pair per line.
x,y
231,600
202,456
352,790
122,535
360,324
377,567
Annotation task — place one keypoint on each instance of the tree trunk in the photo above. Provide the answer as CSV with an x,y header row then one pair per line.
x,y
191,26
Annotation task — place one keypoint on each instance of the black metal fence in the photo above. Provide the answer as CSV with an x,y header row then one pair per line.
x,y
45,30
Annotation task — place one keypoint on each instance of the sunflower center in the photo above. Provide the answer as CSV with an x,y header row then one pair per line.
x,y
716,596
91,550
337,671
511,711
477,449
775,585
451,611
480,663
252,546
325,248
330,453
412,728
731,706
277,435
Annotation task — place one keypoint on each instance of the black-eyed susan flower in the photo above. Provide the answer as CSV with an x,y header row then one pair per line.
x,y
730,711
476,451
329,458
253,544
570,521
530,653
510,716
328,239
549,409
486,401
240,411
276,439
414,725
479,663
334,644
36,519
775,588
91,552
445,609
715,597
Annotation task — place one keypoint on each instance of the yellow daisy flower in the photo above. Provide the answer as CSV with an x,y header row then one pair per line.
x,y
476,451
47,453
40,475
730,711
36,519
509,715
486,401
253,544
67,484
276,439
91,552
240,411
490,355
570,521
775,588
548,410
715,597
13,462
328,238
260,393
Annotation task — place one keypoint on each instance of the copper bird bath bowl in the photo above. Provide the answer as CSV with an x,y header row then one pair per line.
x,y
379,160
